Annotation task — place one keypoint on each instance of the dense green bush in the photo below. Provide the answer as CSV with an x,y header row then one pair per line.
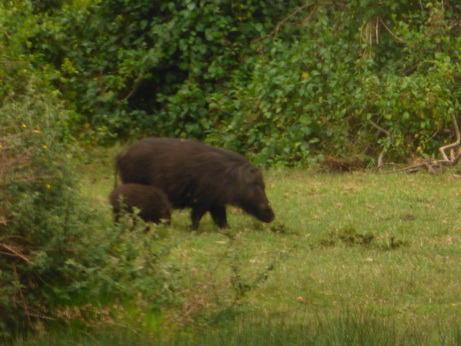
x,y
285,82
39,229
322,89
57,259
137,66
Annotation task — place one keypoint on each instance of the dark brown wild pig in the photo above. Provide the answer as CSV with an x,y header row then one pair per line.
x,y
152,203
198,176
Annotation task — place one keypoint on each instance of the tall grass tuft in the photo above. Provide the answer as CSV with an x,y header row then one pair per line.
x,y
348,327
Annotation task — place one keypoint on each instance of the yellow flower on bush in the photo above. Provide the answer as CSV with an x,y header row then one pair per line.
x,y
36,131
48,186
44,147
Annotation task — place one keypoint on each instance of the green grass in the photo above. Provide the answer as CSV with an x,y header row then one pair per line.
x,y
359,259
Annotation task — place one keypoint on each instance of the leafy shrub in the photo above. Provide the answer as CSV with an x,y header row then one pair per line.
x,y
137,66
321,87
39,228
57,260
285,82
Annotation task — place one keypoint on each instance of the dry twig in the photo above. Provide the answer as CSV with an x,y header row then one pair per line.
x,y
451,146
389,140
26,309
432,165
14,252
284,20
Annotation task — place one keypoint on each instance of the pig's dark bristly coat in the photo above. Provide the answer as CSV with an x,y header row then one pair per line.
x,y
152,203
198,176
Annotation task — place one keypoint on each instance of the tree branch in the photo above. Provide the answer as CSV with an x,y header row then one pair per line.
x,y
389,140
452,145
431,165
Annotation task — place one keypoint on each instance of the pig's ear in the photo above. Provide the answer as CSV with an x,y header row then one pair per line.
x,y
251,175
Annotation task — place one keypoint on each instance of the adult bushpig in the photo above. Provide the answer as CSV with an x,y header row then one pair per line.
x,y
197,176
152,203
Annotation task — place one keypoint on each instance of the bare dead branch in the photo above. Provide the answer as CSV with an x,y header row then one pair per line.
x,y
452,145
135,87
284,20
389,140
389,30
15,252
429,165
432,165
26,309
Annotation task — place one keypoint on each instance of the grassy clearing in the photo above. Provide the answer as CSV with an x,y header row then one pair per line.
x,y
357,259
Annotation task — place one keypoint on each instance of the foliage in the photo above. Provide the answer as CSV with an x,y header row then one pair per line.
x,y
130,66
55,261
284,82
39,228
319,89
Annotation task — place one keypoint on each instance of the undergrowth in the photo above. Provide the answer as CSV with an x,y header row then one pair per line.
x,y
58,261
